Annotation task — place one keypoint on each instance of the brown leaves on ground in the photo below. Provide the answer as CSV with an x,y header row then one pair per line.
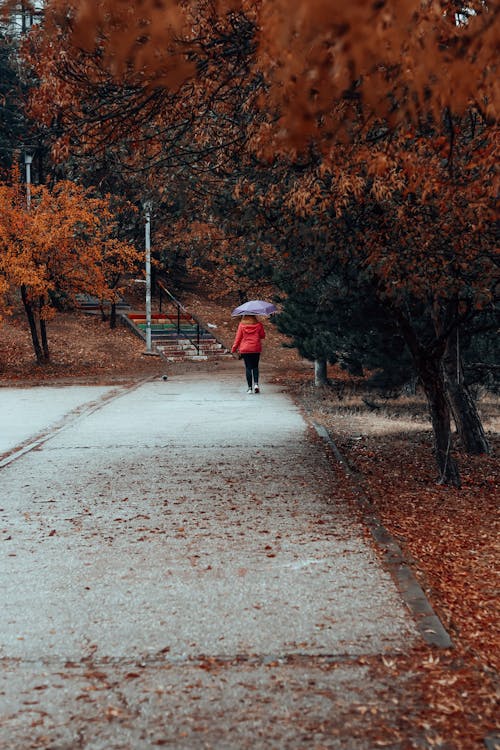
x,y
452,535
450,538
82,346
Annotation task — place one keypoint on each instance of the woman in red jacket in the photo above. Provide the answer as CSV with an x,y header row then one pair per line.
x,y
248,342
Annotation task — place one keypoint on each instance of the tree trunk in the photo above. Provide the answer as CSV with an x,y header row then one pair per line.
x,y
43,332
28,307
428,365
45,341
112,316
429,371
320,376
465,415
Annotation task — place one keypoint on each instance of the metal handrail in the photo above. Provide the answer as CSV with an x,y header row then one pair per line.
x,y
179,306
162,286
199,323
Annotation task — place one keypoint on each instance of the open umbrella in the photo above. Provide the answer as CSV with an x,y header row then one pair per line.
x,y
254,307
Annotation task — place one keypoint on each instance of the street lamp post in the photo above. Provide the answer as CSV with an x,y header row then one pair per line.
x,y
147,213
28,159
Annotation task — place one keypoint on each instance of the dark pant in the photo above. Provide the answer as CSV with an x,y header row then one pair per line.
x,y
251,367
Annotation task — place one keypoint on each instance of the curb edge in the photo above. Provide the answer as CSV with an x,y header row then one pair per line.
x,y
428,623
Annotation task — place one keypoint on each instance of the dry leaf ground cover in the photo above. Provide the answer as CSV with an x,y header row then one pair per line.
x,y
449,536
82,348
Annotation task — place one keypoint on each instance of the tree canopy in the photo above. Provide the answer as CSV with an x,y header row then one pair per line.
x,y
58,245
344,152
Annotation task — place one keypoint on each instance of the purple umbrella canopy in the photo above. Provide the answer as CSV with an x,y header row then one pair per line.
x,y
254,307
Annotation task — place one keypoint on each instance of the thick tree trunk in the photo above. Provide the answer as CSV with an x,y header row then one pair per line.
x,y
428,365
429,371
112,316
320,372
465,415
28,308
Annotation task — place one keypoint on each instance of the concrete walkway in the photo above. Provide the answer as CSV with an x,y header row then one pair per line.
x,y
26,413
178,568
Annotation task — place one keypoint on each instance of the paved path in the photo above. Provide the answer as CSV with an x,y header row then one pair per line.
x,y
178,568
28,412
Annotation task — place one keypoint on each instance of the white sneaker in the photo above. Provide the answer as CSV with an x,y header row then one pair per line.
x,y
249,390
256,388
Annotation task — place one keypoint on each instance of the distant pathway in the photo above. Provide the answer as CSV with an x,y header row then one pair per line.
x,y
179,569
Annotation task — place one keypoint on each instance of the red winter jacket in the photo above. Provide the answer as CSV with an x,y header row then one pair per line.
x,y
248,338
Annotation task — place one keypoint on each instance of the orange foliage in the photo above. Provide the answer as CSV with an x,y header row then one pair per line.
x,y
424,220
217,259
59,245
419,56
403,52
158,122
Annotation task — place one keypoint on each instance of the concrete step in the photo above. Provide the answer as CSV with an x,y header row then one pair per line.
x,y
179,338
180,345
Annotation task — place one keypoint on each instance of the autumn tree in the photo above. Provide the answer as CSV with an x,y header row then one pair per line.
x,y
409,219
401,57
55,246
145,131
372,93
142,137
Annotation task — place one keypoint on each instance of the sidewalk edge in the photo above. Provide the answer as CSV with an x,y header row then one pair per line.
x,y
70,418
428,623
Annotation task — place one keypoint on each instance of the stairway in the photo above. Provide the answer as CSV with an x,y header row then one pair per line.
x,y
177,336
90,304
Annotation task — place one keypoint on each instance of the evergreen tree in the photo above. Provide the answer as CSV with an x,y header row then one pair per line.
x,y
334,321
12,119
